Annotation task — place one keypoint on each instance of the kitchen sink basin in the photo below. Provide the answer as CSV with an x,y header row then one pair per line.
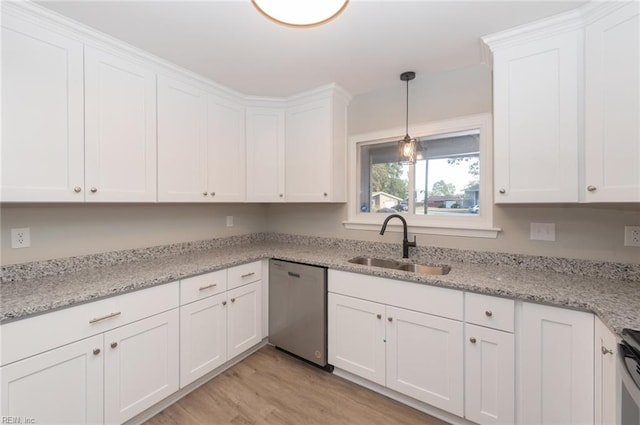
x,y
398,265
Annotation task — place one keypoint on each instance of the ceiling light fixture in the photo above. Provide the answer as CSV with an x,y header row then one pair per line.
x,y
300,13
407,147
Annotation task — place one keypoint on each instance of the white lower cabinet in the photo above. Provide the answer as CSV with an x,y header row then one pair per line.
x,y
605,352
416,354
61,386
217,328
489,375
140,365
555,366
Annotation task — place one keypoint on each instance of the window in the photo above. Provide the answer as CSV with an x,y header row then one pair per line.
x,y
447,191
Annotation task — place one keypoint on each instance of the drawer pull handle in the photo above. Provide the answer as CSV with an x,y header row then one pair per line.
x,y
292,274
247,275
108,316
96,351
606,351
473,340
488,313
213,285
114,344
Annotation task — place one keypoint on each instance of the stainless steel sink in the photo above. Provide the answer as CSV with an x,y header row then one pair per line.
x,y
398,265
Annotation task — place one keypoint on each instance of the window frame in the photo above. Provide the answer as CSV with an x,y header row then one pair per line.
x,y
480,226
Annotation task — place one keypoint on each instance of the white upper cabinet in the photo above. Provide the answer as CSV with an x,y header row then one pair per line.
x,y
182,149
120,129
42,114
225,150
316,128
612,108
535,113
567,107
265,154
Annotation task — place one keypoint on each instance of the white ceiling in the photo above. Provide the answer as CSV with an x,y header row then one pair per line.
x,y
364,49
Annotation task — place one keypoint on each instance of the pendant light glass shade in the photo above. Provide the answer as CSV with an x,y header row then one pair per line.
x,y
300,13
407,147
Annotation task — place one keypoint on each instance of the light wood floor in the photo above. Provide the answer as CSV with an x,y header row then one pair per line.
x,y
270,387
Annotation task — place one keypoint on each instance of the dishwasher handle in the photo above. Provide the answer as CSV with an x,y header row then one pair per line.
x,y
292,274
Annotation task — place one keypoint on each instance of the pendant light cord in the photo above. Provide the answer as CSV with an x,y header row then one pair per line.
x,y
407,114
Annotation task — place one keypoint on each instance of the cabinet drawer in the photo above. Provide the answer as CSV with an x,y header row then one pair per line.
x,y
246,273
24,338
202,286
410,295
492,312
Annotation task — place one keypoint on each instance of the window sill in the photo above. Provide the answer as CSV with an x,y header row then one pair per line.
x,y
468,232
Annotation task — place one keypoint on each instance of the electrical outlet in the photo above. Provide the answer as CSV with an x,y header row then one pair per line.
x,y
20,238
543,232
632,236
229,221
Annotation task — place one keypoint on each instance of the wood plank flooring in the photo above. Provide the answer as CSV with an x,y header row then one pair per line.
x,y
270,387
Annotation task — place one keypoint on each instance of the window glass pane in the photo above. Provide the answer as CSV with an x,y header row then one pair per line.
x,y
447,175
384,184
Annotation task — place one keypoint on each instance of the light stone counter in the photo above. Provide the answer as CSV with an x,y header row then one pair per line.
x,y
35,288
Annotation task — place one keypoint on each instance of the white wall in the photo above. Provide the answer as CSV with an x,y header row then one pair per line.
x,y
70,230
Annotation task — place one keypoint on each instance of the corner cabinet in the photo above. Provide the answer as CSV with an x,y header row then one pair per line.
x,y
42,114
612,106
315,147
536,120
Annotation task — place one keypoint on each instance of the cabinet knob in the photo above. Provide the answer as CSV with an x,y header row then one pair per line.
x,y
224,303
606,351
204,193
96,351
114,344
390,319
233,300
77,189
281,195
213,194
94,189
591,188
473,340
488,313
379,316
326,194
502,191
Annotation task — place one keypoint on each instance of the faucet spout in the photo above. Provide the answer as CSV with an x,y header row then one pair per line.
x,y
405,238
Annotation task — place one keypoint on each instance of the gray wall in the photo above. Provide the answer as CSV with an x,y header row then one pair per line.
x,y
70,230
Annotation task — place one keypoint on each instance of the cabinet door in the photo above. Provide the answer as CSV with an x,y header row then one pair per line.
x,y
555,366
226,150
244,318
42,114
265,154
612,106
489,376
120,129
535,116
424,358
203,337
606,352
140,365
357,337
61,386
182,151
308,152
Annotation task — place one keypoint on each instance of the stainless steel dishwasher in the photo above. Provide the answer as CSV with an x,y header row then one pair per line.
x,y
298,310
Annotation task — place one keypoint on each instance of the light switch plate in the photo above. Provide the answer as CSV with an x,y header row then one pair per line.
x,y
229,221
543,232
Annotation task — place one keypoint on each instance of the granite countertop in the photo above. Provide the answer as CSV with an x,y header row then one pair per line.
x,y
616,302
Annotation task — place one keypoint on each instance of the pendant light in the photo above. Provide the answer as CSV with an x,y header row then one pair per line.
x,y
407,147
300,13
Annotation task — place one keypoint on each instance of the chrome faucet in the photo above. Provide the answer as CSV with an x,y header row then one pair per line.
x,y
405,240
